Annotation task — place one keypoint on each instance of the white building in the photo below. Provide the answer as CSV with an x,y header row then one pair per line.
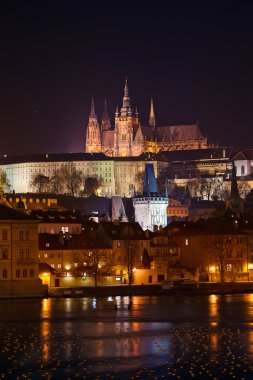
x,y
150,208
119,174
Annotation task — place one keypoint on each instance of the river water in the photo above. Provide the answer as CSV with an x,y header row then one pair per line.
x,y
166,337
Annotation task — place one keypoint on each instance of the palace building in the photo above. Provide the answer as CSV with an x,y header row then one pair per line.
x,y
129,138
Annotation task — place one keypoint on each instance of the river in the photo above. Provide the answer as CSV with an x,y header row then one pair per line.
x,y
160,337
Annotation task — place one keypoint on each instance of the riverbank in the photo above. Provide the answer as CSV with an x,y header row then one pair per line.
x,y
150,290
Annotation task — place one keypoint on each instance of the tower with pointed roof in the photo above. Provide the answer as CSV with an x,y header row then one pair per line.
x,y
150,208
93,136
124,127
235,203
152,116
105,124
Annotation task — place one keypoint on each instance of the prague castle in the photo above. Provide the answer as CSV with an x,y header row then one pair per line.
x,y
129,138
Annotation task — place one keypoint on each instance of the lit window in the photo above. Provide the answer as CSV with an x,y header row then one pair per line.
x,y
45,255
59,266
52,265
186,241
229,267
47,244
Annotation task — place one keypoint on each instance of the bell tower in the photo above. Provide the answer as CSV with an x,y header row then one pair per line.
x,y
93,137
123,133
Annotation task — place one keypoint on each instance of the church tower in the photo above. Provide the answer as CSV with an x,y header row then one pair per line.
x,y
106,124
123,133
152,116
150,208
93,137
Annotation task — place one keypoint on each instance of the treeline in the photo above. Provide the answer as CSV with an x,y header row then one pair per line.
x,y
67,180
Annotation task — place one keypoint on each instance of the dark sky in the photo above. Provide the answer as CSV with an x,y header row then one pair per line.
x,y
195,60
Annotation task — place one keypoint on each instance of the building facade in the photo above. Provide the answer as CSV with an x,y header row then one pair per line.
x,y
19,265
119,176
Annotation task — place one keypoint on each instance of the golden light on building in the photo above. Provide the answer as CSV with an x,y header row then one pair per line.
x,y
212,269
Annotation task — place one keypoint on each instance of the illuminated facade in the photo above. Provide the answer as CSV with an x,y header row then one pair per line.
x,y
119,175
19,265
129,138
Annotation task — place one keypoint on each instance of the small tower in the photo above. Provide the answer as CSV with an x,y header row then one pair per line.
x,y
106,124
93,137
235,203
152,116
150,208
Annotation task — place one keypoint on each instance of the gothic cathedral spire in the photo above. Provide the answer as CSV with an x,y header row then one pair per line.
x,y
93,137
106,124
152,116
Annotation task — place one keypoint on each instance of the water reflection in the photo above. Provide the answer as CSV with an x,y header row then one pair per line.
x,y
182,331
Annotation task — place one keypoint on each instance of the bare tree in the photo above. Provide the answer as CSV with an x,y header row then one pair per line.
x,y
220,253
66,180
95,263
92,185
139,182
5,183
40,183
129,253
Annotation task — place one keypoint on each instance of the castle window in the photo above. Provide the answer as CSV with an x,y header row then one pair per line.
x,y
5,273
4,235
17,273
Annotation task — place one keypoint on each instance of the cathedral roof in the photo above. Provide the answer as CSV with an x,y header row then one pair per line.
x,y
179,133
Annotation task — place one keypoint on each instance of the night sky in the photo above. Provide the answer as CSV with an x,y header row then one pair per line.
x,y
195,60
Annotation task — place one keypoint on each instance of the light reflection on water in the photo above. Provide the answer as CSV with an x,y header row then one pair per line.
x,y
155,332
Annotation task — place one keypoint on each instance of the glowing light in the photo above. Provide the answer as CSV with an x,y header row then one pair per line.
x,y
212,268
251,266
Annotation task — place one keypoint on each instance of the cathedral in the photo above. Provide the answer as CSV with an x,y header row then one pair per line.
x,y
129,138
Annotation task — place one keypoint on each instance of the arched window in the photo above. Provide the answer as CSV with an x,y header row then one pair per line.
x,y
24,273
123,137
31,273
18,273
21,253
27,253
5,273
26,235
21,235
242,170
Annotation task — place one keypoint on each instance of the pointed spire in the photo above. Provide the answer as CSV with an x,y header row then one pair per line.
x,y
105,114
126,89
152,115
234,187
92,109
106,124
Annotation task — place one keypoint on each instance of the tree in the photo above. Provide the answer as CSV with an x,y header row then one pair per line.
x,y
129,253
244,189
57,183
220,253
91,185
95,263
73,181
66,180
5,183
40,183
139,182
